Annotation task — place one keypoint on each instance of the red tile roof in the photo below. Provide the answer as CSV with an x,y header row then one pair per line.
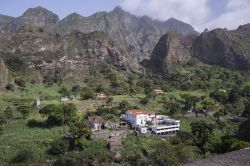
x,y
138,112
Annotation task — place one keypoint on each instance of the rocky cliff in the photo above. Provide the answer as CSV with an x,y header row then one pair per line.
x,y
171,49
225,48
135,35
39,17
71,57
5,77
230,49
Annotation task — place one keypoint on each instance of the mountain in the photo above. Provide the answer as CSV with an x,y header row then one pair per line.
x,y
38,16
4,20
230,49
179,27
135,35
171,49
71,57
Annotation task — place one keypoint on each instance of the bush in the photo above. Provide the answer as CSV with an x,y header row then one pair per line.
x,y
244,131
87,94
59,147
8,112
10,87
25,110
20,82
24,156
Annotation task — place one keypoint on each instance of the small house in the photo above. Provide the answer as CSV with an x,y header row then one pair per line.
x,y
95,123
158,92
101,96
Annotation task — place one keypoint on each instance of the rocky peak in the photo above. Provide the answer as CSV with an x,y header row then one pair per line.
x,y
39,16
179,26
245,28
171,49
4,20
74,16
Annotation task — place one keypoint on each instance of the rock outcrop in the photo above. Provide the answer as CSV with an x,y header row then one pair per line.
x,y
71,57
230,49
171,49
38,17
135,35
5,77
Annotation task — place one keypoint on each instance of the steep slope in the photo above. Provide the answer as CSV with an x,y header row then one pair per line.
x,y
4,20
225,48
171,49
5,77
38,16
136,35
230,49
70,57
180,27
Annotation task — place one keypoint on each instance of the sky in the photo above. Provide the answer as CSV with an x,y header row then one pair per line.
x,y
199,13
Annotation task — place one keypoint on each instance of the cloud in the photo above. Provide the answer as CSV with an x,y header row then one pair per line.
x,y
199,13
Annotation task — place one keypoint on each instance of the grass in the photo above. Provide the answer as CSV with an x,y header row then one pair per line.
x,y
18,136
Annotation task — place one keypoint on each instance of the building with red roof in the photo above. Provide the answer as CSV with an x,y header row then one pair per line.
x,y
140,117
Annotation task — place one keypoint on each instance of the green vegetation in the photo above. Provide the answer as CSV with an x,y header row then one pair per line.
x,y
58,131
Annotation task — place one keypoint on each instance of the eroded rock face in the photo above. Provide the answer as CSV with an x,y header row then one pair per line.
x,y
230,49
171,49
33,17
5,78
135,35
71,57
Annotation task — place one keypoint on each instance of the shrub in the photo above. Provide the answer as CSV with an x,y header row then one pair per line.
x,y
24,156
20,82
10,87
25,110
87,94
8,112
59,147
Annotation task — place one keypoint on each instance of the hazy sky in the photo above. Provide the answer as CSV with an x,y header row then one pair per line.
x,y
199,13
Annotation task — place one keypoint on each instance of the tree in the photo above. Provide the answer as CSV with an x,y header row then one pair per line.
x,y
1,131
246,91
246,112
219,95
69,113
201,131
79,135
54,113
64,91
244,131
10,87
59,147
208,105
25,110
190,101
59,114
234,95
87,93
20,82
8,112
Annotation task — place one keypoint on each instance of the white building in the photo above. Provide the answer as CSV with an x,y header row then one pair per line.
x,y
139,117
164,125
